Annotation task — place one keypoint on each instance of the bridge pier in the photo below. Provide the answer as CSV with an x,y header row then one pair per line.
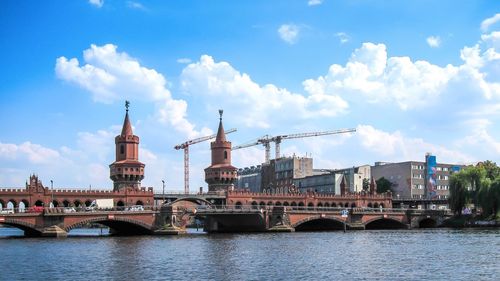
x,y
54,231
278,221
168,222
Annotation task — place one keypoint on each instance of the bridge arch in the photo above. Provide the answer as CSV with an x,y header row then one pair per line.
x,y
195,200
315,223
385,223
28,228
427,223
119,226
11,204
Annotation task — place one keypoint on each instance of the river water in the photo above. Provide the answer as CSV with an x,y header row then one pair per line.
x,y
430,254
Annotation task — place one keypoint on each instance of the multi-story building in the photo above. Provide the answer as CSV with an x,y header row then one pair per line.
x,y
417,180
328,182
354,177
250,178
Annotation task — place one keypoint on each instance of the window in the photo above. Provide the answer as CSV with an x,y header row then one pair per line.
x,y
439,169
122,149
225,154
445,169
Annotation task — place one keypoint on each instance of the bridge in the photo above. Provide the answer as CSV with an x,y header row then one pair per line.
x,y
173,218
289,219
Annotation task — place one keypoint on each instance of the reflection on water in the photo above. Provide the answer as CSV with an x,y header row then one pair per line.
x,y
431,254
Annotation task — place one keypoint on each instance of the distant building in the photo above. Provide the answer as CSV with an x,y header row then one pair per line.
x,y
250,178
322,183
417,180
279,173
354,177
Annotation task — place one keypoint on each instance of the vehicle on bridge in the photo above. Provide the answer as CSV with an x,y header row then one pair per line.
x,y
6,211
100,204
135,208
35,209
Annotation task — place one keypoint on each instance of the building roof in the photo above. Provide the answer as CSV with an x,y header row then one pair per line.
x,y
221,136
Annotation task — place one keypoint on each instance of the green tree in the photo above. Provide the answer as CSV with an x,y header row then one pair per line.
x,y
384,185
458,192
366,184
491,168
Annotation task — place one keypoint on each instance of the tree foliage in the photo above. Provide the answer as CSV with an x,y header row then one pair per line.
x,y
479,185
384,185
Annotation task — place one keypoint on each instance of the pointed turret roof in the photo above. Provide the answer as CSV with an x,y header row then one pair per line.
x,y
221,136
127,127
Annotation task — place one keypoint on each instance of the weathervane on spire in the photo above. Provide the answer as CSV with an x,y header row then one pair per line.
x,y
220,113
127,104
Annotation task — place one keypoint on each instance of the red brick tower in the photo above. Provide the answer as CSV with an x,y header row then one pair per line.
x,y
127,171
221,175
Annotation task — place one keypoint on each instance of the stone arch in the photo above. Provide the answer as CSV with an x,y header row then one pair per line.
x,y
384,223
278,203
310,206
319,205
262,204
66,203
77,203
39,203
318,222
198,201
121,226
120,203
326,205
28,228
381,205
55,203
301,205
238,205
346,205
269,203
427,223
23,206
254,205
88,202
370,205
11,204
139,202
375,205
293,204
334,205
353,205
286,204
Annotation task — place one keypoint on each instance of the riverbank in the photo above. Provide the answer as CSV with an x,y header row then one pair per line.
x,y
471,221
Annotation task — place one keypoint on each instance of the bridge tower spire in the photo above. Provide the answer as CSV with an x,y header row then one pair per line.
x,y
126,171
221,175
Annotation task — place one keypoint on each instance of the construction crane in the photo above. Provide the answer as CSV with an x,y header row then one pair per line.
x,y
185,146
266,140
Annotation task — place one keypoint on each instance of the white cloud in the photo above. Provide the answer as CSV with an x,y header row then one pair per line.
x,y
184,60
480,138
218,84
433,41
111,76
96,3
314,2
343,37
485,25
396,147
33,153
135,5
289,33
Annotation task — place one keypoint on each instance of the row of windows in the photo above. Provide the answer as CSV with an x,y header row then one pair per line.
x,y
418,186
422,167
131,169
221,173
418,176
442,177
443,187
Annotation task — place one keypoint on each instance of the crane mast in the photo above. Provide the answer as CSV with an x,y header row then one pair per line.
x,y
185,146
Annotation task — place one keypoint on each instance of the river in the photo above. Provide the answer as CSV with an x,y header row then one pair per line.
x,y
430,254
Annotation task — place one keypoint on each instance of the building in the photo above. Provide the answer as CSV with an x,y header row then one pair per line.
x,y
355,177
220,175
328,182
278,173
250,178
416,179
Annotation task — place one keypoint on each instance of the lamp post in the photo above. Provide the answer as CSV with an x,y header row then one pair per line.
x,y
52,193
163,193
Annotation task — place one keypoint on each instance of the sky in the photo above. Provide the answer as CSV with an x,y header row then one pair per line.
x,y
412,77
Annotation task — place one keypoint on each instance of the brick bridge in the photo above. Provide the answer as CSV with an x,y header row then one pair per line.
x,y
249,218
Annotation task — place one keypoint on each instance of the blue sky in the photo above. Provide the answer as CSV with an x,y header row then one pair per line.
x,y
411,76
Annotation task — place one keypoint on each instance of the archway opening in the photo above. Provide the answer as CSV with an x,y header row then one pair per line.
x,y
286,204
39,203
353,205
385,224
77,203
427,223
375,205
320,224
237,205
139,202
277,203
334,205
17,230
11,204
254,205
262,204
22,207
55,203
301,205
346,205
310,206
370,205
66,203
88,203
270,203
1,204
